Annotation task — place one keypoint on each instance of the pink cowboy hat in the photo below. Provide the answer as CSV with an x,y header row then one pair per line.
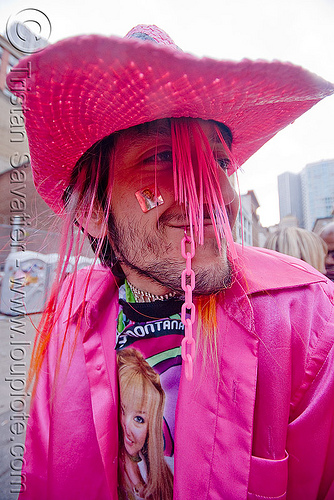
x,y
82,89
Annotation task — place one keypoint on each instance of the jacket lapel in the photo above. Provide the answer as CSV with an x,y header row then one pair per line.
x,y
100,356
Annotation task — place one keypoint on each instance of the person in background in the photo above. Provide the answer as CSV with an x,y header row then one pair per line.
x,y
299,243
327,234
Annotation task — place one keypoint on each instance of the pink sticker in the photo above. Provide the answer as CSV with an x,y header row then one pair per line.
x,y
148,198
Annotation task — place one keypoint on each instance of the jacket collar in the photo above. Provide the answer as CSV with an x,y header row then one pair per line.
x,y
257,270
260,269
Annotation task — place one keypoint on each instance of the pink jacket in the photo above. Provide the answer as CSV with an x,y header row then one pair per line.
x,y
263,428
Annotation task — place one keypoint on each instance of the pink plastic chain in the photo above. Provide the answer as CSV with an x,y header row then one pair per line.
x,y
188,308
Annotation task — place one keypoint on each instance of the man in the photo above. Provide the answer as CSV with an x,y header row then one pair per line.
x,y
241,340
327,234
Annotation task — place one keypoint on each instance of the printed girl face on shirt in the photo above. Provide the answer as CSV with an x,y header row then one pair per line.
x,y
135,426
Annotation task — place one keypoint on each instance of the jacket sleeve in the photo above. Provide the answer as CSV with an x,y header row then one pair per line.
x,y
310,439
294,408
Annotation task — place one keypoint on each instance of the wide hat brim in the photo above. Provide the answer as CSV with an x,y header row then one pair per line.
x,y
84,88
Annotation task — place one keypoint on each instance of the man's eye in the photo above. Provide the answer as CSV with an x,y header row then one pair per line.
x,y
162,156
223,163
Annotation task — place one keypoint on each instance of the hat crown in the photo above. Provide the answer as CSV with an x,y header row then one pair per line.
x,y
151,33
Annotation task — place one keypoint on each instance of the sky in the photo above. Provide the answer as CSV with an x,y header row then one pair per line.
x,y
299,31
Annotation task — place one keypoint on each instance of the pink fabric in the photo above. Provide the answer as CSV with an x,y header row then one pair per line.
x,y
265,430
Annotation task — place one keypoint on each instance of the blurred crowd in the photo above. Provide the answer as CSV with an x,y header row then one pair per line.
x,y
316,250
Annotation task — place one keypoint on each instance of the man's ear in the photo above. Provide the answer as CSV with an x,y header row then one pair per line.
x,y
96,226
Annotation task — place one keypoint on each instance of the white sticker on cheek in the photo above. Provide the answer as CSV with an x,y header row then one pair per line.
x,y
149,198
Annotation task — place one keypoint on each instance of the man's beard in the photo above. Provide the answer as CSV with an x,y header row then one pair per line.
x,y
137,249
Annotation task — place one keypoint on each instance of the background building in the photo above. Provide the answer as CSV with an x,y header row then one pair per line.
x,y
307,196
248,227
317,191
290,197
12,133
19,199
243,227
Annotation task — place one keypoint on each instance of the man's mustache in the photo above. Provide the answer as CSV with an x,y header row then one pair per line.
x,y
177,218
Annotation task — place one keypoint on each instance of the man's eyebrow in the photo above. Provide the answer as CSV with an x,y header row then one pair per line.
x,y
141,136
145,131
162,130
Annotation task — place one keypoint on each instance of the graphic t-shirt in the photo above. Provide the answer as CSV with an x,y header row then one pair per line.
x,y
149,337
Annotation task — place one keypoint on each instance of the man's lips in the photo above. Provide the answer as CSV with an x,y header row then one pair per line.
x,y
186,225
180,220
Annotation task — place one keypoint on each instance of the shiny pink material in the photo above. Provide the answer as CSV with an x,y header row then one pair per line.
x,y
262,429
82,89
188,344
